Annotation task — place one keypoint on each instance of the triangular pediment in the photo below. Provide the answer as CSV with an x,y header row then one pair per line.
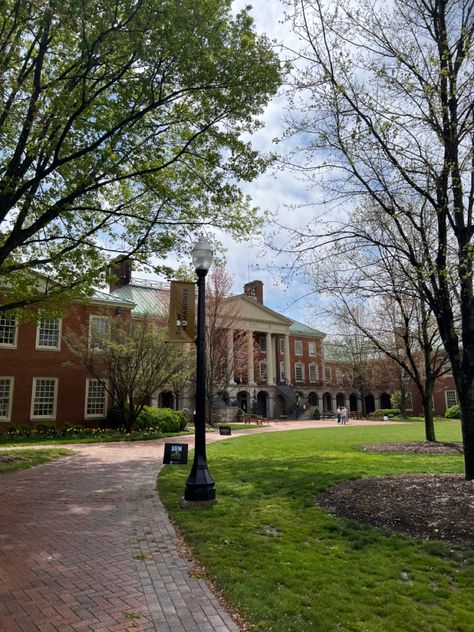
x,y
253,315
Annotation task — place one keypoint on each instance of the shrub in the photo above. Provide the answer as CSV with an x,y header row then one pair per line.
x,y
386,412
454,412
161,419
317,413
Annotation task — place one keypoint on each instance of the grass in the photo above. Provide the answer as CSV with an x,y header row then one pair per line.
x,y
288,566
30,458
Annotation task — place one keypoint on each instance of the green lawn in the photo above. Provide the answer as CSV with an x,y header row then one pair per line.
x,y
29,458
289,566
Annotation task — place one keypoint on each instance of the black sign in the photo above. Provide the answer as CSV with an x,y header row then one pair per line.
x,y
176,453
225,430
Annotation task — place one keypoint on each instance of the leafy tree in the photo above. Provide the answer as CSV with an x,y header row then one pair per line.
x,y
121,123
385,103
133,362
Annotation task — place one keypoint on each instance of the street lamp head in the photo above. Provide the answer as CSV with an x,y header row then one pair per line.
x,y
202,254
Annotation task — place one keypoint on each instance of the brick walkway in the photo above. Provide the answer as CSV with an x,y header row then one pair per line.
x,y
86,545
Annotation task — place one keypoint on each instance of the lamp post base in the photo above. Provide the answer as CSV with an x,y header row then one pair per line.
x,y
186,504
200,487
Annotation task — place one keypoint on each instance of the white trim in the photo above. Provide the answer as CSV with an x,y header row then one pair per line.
x,y
94,317
11,379
8,345
327,375
262,344
55,401
316,373
298,342
299,364
48,347
409,404
264,374
281,346
456,401
86,400
310,344
282,370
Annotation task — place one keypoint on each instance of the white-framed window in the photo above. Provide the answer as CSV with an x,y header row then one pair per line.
x,y
282,370
48,334
281,344
44,397
263,371
311,348
339,376
8,331
298,347
327,374
96,399
262,343
299,372
6,398
99,328
313,373
451,398
408,400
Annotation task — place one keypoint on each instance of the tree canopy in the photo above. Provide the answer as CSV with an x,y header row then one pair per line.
x,y
121,127
384,104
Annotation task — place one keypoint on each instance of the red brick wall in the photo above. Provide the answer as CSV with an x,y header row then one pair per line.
x,y
26,362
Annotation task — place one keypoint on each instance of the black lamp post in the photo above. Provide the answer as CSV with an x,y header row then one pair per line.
x,y
200,486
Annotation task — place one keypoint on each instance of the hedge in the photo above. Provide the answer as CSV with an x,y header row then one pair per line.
x,y
453,413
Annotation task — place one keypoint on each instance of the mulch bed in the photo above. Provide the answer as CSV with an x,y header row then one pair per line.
x,y
435,506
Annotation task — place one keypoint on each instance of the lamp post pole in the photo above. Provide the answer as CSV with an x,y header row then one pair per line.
x,y
200,486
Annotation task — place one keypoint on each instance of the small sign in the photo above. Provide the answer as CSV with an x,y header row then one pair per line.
x,y
225,430
176,453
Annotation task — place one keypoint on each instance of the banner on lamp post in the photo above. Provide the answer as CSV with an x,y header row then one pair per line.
x,y
181,324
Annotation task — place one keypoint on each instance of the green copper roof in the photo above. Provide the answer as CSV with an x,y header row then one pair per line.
x,y
112,299
300,328
150,298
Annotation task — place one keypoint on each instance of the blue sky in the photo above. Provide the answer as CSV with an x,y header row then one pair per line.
x,y
275,191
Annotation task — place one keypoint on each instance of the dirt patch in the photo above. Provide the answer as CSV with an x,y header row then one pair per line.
x,y
419,447
435,506
6,458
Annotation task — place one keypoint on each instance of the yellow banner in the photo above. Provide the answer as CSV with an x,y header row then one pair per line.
x,y
182,312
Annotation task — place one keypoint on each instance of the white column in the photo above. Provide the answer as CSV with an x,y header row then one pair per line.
x,y
230,355
250,358
286,347
270,360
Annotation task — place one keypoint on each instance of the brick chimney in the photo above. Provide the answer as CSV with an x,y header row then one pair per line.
x,y
255,290
121,271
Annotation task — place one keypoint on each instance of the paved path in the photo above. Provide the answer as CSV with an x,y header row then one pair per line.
x,y
86,545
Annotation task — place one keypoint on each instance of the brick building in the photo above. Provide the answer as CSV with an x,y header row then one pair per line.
x,y
293,373
40,379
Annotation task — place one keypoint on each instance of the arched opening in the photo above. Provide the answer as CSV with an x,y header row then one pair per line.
x,y
340,400
280,406
243,400
222,399
166,399
369,404
327,403
353,402
385,400
313,399
262,404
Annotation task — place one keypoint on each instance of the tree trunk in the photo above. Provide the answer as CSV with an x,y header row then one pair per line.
x,y
428,413
426,392
466,401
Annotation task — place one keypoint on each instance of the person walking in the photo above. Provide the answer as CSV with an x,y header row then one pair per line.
x,y
338,415
344,416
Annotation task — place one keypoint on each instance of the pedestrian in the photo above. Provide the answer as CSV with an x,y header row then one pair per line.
x,y
344,416
338,415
